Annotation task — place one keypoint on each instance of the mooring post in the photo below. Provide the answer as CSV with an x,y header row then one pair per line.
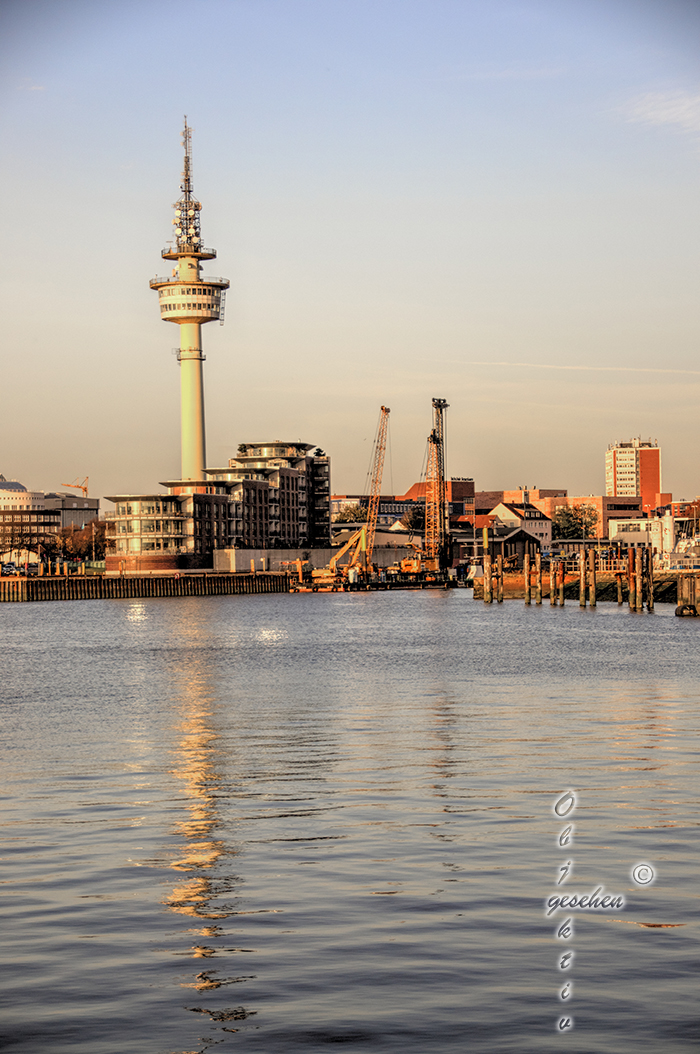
x,y
582,578
630,579
592,578
552,580
650,580
499,566
538,578
618,577
562,575
488,593
526,572
638,581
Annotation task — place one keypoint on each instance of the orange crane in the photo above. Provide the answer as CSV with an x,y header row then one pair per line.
x,y
375,488
78,485
360,545
435,545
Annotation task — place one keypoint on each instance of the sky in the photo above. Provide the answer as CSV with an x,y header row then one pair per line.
x,y
494,202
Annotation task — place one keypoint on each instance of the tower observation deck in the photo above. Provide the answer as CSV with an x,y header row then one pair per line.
x,y
190,299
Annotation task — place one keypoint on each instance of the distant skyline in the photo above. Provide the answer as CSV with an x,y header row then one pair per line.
x,y
493,203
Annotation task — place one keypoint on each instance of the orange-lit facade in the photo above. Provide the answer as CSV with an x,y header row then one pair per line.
x,y
634,468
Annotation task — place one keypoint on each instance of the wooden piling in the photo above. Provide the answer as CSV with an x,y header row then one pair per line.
x,y
650,579
638,581
488,579
582,578
618,579
526,572
561,576
538,578
680,589
630,580
499,567
591,578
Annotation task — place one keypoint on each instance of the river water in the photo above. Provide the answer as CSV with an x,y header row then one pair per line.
x,y
282,823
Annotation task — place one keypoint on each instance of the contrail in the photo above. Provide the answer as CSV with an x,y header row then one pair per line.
x,y
600,369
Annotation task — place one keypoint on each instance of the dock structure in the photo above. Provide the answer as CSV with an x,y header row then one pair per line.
x,y
591,580
118,587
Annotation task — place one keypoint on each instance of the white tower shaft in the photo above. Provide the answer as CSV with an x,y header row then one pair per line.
x,y
192,434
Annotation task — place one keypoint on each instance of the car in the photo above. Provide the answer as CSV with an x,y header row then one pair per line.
x,y
9,569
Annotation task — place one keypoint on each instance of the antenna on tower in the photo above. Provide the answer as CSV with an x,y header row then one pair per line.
x,y
187,172
186,222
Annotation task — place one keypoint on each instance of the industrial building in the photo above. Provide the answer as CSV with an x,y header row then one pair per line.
x,y
548,501
76,512
392,507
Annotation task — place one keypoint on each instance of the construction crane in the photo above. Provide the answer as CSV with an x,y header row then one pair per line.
x,y
79,485
375,488
435,546
360,545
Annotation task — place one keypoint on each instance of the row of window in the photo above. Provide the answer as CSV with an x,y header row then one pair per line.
x,y
34,528
170,508
189,291
148,527
26,518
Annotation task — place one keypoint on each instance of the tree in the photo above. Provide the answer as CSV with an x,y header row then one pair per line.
x,y
351,514
575,521
414,518
78,544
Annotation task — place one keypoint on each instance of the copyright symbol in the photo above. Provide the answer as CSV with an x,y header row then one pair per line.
x,y
643,874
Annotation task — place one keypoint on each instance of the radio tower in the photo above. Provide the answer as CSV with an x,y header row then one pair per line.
x,y
190,299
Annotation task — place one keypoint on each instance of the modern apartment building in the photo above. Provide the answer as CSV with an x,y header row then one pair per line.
x,y
634,468
299,484
151,531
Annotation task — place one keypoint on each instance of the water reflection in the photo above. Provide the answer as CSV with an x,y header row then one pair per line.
x,y
196,765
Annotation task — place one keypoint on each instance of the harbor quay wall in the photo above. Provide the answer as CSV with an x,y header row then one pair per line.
x,y
107,587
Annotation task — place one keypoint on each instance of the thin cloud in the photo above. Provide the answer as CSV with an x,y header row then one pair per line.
x,y
513,73
679,108
28,86
594,369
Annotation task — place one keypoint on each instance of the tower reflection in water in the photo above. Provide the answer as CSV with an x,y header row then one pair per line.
x,y
203,891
